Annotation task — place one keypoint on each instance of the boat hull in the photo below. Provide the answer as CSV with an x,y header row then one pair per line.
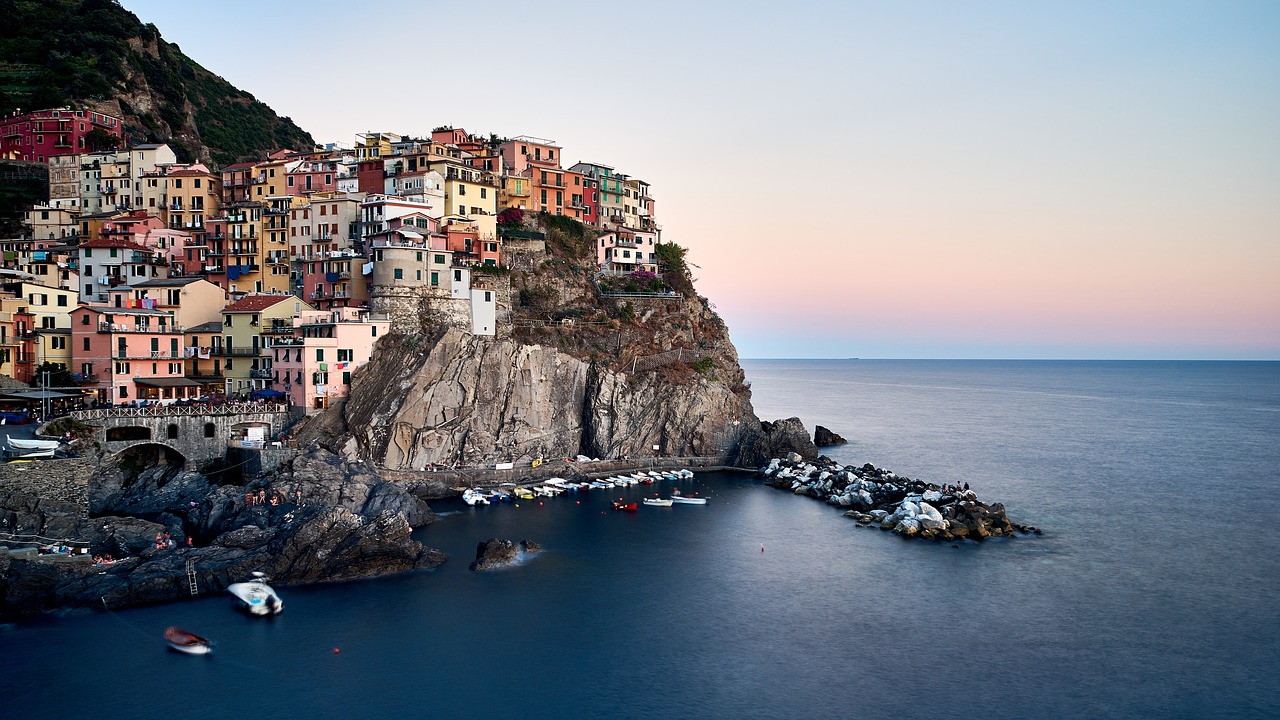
x,y
257,598
188,643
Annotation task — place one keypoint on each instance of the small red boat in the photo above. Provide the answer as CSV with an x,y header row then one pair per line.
x,y
187,642
619,505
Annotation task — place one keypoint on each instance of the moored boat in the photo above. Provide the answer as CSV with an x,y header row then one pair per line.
x,y
685,500
471,496
187,642
659,502
524,493
27,445
256,596
619,505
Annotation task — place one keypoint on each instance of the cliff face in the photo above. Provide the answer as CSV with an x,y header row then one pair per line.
x,y
95,54
481,400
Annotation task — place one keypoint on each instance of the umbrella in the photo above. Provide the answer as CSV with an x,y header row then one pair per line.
x,y
265,393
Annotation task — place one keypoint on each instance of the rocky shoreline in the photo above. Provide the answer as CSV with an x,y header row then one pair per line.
x,y
879,498
331,520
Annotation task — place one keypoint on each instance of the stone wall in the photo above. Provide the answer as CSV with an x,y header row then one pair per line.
x,y
196,441
63,480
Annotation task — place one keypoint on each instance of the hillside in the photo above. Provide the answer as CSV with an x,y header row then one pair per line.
x,y
96,54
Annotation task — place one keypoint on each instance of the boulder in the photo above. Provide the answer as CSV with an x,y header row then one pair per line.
x,y
494,553
823,437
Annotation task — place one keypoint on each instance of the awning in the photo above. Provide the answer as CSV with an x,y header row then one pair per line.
x,y
38,394
266,393
164,382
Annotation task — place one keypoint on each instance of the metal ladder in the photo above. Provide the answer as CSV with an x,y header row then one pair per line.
x,y
191,576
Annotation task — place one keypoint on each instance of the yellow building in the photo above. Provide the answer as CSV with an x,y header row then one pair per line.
x,y
246,364
469,195
374,145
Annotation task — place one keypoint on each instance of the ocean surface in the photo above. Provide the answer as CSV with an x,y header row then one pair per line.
x,y
1151,594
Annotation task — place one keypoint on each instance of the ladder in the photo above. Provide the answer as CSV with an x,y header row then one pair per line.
x,y
191,576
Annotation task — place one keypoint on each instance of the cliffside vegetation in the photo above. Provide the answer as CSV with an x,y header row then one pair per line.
x,y
96,54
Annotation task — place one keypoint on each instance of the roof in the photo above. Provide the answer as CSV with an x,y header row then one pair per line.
x,y
168,282
115,243
167,382
257,303
239,166
209,327
124,311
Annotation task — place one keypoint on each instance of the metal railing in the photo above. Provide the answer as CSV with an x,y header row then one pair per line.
x,y
229,408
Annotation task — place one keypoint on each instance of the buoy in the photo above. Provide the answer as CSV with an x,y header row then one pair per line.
x,y
761,548
517,504
539,502
335,651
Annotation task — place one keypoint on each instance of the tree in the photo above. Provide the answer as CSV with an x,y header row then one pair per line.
x,y
58,376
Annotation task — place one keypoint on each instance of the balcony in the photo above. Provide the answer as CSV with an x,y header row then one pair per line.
x,y
166,329
128,354
331,294
261,374
275,342
277,329
236,352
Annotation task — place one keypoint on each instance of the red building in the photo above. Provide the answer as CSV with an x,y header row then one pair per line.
x,y
42,134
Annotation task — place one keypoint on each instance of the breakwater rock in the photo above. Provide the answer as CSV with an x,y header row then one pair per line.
x,y
494,553
876,497
823,437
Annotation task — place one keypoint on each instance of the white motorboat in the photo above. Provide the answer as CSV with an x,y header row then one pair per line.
x,y
474,497
684,474
685,500
660,502
256,596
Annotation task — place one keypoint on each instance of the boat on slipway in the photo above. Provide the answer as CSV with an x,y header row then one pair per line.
x,y
187,642
256,596
31,448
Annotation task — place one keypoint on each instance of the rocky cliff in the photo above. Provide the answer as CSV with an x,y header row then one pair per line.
x,y
581,365
95,54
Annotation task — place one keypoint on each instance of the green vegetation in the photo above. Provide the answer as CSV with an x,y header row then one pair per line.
x,y
567,238
21,186
703,365
56,53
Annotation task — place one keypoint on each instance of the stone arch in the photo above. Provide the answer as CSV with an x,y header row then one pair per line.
x,y
128,433
154,452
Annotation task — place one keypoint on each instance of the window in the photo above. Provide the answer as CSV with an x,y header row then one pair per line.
x,y
209,430
84,320
483,193
172,431
86,343
439,259
462,189
435,279
346,378
345,355
58,343
319,354
399,274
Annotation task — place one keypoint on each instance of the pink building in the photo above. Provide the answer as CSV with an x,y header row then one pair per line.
x,y
128,354
40,135
312,176
314,366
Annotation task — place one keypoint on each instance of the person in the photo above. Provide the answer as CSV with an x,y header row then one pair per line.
x,y
275,499
248,498
262,496
299,496
168,541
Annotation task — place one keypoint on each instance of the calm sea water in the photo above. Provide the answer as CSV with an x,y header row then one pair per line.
x,y
1152,594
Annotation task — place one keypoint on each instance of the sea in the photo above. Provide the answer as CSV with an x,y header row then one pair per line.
x,y
1152,592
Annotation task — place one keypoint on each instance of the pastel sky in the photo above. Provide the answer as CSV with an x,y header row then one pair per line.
x,y
857,179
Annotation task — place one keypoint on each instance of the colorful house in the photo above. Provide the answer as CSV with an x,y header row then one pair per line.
x,y
42,134
314,366
127,354
246,364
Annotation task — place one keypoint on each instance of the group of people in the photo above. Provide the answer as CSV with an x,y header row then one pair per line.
x,y
164,542
103,559
276,498
955,488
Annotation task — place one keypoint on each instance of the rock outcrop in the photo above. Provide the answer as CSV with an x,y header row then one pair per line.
x,y
330,520
493,553
823,437
879,498
478,400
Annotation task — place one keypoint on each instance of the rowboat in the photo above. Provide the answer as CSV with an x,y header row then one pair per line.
x,y
619,505
524,493
256,596
187,642
660,502
19,444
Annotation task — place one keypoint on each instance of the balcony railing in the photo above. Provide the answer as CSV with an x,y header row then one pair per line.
x,y
235,352
146,355
275,342
261,374
167,329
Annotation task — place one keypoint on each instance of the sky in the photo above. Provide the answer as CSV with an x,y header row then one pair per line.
x,y
1076,180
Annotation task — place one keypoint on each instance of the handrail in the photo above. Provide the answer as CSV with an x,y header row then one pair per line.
x,y
231,408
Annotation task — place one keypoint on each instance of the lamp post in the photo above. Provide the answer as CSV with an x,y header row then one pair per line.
x,y
45,383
